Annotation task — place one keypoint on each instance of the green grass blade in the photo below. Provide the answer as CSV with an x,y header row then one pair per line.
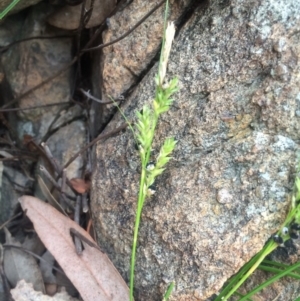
x,y
277,271
277,264
271,280
136,231
169,291
8,9
125,118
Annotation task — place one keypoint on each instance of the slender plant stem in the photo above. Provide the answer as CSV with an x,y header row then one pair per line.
x,y
169,291
148,152
136,230
8,9
140,204
146,125
267,263
277,271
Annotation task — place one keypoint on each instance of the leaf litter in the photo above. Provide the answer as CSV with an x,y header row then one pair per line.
x,y
20,265
91,272
25,292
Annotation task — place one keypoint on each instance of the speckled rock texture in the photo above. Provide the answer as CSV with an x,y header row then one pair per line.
x,y
124,63
236,119
126,60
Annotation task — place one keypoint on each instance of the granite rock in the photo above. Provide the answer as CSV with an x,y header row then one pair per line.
x,y
124,63
236,120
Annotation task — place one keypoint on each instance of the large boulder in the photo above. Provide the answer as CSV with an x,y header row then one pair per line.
x,y
236,120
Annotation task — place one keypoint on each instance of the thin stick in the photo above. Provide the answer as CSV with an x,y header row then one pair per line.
x,y
89,13
77,242
84,239
77,210
18,158
63,181
102,136
81,26
85,205
2,49
99,30
51,158
66,201
55,184
35,107
11,219
63,190
35,256
129,31
46,173
49,79
90,96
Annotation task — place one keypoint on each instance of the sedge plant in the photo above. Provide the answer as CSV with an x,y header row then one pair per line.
x,y
289,230
145,128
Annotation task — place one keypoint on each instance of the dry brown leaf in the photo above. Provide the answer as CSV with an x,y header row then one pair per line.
x,y
68,17
80,185
92,273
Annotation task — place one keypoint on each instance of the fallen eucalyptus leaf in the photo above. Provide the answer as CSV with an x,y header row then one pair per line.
x,y
92,273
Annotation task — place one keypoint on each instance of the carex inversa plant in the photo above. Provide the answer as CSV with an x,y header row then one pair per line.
x,y
145,128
